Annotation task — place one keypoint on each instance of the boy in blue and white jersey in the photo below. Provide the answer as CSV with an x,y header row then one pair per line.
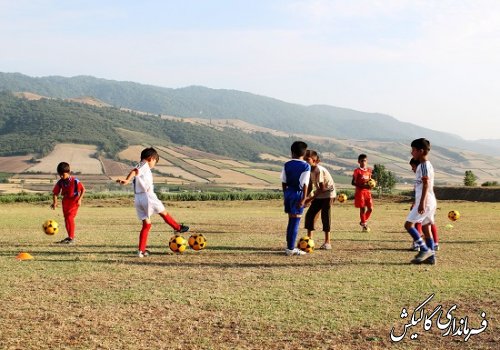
x,y
425,204
295,180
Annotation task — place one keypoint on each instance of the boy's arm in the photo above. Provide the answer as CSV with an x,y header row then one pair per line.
x,y
302,202
423,198
54,201
82,192
130,175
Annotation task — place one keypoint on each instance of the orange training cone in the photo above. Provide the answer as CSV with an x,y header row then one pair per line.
x,y
24,256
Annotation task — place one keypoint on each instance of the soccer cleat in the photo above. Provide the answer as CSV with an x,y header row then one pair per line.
x,y
422,256
326,246
296,251
436,247
142,254
183,229
366,228
430,260
67,240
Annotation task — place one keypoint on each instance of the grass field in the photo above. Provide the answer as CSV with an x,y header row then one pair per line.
x,y
242,292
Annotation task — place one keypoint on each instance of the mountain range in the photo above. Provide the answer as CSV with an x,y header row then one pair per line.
x,y
206,103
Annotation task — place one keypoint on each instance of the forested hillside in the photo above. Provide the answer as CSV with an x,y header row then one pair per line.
x,y
202,102
36,126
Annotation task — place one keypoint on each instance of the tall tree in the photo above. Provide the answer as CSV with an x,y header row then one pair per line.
x,y
386,180
470,179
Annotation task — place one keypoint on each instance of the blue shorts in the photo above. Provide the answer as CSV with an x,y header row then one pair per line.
x,y
292,197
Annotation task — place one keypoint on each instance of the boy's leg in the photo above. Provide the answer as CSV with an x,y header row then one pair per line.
x,y
426,229
69,221
410,227
311,215
143,235
174,224
418,226
292,230
434,234
326,218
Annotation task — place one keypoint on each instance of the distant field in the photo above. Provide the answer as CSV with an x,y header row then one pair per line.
x,y
80,157
242,292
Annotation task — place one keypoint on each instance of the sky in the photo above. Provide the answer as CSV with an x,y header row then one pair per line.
x,y
431,63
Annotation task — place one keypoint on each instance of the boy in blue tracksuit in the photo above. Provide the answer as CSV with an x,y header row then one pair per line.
x,y
295,180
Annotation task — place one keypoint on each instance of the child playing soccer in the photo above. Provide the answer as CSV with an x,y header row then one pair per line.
x,y
321,198
414,163
72,192
363,195
145,200
295,179
425,204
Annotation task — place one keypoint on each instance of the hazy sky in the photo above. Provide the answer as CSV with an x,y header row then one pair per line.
x,y
432,63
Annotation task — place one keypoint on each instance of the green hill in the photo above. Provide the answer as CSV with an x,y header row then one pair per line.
x,y
201,102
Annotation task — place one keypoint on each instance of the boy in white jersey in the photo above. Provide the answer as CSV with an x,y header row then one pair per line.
x,y
145,200
321,198
425,204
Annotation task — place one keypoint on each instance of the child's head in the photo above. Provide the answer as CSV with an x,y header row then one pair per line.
x,y
312,157
420,148
298,149
150,154
362,160
63,169
414,164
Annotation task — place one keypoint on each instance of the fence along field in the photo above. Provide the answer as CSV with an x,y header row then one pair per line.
x,y
242,292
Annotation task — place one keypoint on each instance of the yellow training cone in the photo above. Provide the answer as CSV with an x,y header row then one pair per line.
x,y
24,256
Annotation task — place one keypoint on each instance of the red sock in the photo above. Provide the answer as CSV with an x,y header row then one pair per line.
x,y
418,226
362,215
434,231
143,236
170,220
367,214
70,226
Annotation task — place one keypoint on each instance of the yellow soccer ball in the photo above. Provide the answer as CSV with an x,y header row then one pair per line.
x,y
306,244
453,215
197,241
50,227
372,183
342,197
177,244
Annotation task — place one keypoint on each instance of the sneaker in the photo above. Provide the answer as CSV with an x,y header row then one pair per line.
x,y
142,254
183,229
430,260
67,240
436,247
296,251
422,256
366,228
326,246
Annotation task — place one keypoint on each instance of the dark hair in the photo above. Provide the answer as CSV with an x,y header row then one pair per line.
x,y
298,148
362,156
62,168
150,153
421,143
312,154
413,161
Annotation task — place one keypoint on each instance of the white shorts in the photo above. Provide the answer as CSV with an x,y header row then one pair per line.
x,y
426,218
147,204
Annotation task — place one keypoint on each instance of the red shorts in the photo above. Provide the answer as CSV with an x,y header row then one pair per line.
x,y
363,199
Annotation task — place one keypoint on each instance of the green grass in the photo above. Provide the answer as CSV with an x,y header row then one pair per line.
x,y
242,292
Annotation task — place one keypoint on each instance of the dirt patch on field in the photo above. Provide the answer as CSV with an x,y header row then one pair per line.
x,y
479,194
16,164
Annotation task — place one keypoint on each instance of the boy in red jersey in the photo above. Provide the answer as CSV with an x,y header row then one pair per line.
x,y
363,195
72,191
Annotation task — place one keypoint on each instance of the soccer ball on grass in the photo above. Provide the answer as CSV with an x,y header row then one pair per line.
x,y
177,244
342,197
50,227
453,215
197,241
306,244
